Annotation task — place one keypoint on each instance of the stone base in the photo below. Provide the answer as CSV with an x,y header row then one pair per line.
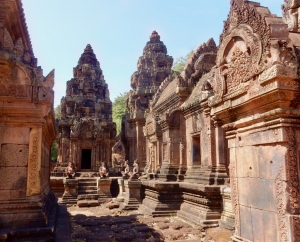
x,y
167,177
236,238
227,218
103,189
207,175
70,191
57,186
30,221
132,195
202,204
162,198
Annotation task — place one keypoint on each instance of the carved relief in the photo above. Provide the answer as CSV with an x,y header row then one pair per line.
x,y
290,13
150,128
237,70
234,195
7,41
257,29
280,194
292,171
13,91
195,121
14,155
19,48
34,162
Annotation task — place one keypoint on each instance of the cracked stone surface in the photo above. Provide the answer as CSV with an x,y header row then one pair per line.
x,y
104,224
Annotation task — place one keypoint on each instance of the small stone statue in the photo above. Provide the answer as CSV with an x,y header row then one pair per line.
x,y
135,172
103,170
125,173
70,170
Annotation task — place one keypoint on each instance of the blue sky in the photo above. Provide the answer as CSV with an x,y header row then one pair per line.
x,y
118,31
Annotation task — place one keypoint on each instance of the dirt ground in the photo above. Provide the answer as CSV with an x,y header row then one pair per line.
x,y
112,225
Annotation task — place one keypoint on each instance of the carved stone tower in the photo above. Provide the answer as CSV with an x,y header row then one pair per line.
x,y
86,130
153,67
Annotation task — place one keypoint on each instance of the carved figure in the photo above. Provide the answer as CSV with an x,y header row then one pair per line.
x,y
103,170
125,173
70,170
135,172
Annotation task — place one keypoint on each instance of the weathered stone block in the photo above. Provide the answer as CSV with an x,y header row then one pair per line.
x,y
246,223
103,188
13,177
248,166
270,222
270,159
14,155
71,188
12,194
261,198
257,224
16,135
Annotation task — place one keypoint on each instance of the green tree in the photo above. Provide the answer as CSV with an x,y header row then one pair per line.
x,y
54,147
54,151
118,110
57,112
180,62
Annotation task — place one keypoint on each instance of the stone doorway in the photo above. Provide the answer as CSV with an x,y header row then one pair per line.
x,y
196,155
86,156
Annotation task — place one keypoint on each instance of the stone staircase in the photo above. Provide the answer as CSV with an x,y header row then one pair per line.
x,y
87,192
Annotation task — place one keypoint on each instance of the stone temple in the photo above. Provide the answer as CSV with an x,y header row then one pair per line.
x,y
217,145
153,67
86,131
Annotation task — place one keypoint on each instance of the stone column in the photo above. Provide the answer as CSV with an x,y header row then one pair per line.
x,y
141,144
221,154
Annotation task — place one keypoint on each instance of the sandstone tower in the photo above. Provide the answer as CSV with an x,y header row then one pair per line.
x,y
153,67
86,130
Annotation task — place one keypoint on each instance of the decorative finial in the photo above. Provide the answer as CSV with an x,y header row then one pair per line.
x,y
88,48
154,36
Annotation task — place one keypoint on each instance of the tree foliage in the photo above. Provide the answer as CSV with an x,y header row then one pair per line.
x,y
180,62
118,110
54,147
54,151
57,112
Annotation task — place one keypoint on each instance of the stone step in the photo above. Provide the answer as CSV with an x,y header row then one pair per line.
x,y
88,197
87,184
87,187
87,180
87,192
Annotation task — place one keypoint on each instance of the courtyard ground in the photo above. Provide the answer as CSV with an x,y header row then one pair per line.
x,y
111,225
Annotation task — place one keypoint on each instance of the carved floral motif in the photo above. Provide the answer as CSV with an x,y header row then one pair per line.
x,y
292,171
280,193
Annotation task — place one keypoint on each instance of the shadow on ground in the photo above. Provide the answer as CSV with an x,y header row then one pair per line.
x,y
112,228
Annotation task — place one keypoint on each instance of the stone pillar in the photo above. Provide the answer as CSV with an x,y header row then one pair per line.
x,y
221,154
141,144
103,189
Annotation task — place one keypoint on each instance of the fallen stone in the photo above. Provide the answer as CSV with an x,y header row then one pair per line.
x,y
162,225
112,205
176,225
